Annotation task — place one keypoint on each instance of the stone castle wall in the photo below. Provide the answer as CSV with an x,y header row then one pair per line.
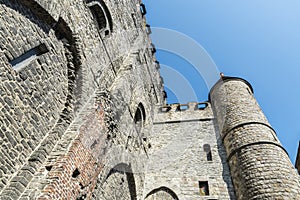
x,y
82,114
177,159
69,91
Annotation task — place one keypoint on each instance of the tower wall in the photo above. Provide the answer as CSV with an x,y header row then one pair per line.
x,y
259,165
177,158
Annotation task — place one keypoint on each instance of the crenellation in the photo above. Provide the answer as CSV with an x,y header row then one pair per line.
x,y
184,112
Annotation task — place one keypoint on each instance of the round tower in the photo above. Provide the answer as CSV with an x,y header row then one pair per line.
x,y
259,165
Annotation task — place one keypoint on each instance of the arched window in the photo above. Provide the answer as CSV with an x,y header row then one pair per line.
x,y
207,150
139,117
101,15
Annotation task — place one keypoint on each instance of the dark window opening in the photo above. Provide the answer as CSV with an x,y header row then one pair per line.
x,y
153,49
203,188
26,58
208,156
99,16
102,15
122,181
139,117
75,173
143,9
148,29
165,95
207,150
134,19
48,168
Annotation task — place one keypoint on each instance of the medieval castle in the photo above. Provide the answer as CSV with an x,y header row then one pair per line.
x,y
83,115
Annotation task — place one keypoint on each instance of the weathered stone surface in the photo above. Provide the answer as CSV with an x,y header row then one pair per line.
x,y
81,118
259,165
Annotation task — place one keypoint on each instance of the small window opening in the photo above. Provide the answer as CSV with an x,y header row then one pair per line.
x,y
48,168
139,117
153,49
182,107
207,150
201,106
143,9
148,29
122,181
29,56
134,19
203,188
165,95
75,173
165,109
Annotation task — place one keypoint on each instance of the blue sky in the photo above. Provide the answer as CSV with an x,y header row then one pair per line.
x,y
253,39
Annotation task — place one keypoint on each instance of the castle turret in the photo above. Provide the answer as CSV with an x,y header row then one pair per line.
x,y
259,165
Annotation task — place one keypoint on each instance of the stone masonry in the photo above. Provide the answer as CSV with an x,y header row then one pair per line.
x,y
178,159
260,167
83,115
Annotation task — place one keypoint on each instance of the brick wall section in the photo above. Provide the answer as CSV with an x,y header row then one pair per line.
x,y
259,165
78,158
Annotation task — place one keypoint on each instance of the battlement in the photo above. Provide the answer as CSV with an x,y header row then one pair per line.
x,y
184,112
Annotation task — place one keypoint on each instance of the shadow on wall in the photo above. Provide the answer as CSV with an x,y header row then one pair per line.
x,y
116,178
226,172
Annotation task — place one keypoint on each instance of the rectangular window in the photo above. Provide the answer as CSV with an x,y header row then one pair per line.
x,y
29,56
203,188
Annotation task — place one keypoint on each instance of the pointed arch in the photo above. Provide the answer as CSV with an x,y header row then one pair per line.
x,y
115,178
163,189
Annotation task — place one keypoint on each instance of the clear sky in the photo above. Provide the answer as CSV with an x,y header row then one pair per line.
x,y
252,39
